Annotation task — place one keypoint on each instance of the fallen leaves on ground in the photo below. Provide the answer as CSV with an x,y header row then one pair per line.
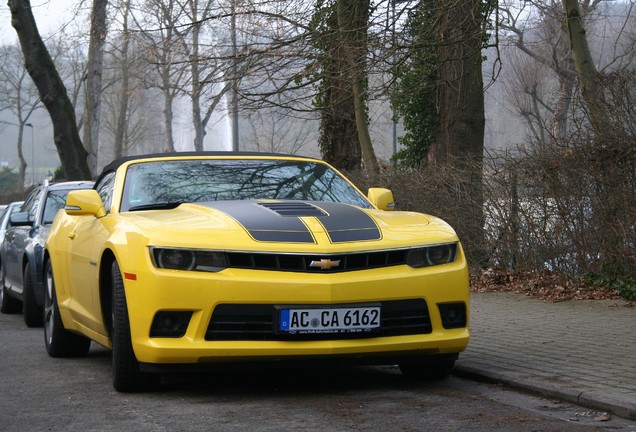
x,y
543,285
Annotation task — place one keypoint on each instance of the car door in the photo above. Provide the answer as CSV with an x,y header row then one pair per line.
x,y
16,239
86,246
88,234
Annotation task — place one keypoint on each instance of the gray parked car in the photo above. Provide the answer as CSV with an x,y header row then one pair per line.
x,y
22,249
7,210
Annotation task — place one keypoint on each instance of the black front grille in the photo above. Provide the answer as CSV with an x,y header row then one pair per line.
x,y
234,322
303,263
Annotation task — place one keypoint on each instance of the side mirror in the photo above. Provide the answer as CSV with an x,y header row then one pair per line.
x,y
381,198
20,219
84,202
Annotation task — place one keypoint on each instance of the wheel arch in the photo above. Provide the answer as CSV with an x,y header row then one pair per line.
x,y
28,253
45,257
25,261
105,289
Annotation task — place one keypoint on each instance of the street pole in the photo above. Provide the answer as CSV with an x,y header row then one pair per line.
x,y
234,91
394,137
32,154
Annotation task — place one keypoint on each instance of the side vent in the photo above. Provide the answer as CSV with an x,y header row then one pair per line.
x,y
294,208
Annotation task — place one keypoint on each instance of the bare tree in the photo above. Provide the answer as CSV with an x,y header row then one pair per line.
x,y
124,80
543,31
460,143
274,130
340,41
52,92
130,116
353,21
461,105
539,35
98,34
587,73
207,86
529,94
160,49
69,56
19,96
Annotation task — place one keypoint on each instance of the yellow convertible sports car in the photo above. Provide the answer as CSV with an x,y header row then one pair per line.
x,y
183,261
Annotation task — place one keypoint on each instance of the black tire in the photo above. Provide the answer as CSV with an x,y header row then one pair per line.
x,y
8,305
59,342
33,313
126,374
428,370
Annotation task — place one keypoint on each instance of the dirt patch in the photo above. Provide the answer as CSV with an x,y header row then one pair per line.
x,y
543,285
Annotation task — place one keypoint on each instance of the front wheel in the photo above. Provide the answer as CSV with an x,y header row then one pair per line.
x,y
126,374
59,342
30,308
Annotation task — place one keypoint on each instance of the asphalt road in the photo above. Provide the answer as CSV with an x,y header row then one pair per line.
x,y
38,393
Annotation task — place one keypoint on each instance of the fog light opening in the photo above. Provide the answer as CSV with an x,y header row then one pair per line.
x,y
453,315
170,324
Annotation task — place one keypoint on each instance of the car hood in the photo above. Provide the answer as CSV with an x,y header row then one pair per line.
x,y
298,225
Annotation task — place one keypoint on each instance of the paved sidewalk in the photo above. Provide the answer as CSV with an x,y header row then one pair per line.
x,y
577,351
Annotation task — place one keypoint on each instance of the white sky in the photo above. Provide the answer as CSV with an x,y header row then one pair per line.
x,y
50,15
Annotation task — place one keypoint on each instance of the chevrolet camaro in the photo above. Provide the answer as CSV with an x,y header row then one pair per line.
x,y
185,261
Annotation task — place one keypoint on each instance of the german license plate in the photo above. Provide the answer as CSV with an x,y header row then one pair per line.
x,y
329,320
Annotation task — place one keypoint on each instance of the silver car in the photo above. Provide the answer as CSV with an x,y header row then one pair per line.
x,y
22,251
8,210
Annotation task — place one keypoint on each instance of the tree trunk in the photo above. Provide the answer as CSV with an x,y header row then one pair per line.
x,y
460,143
168,115
197,87
339,140
165,51
353,16
52,92
369,160
461,97
122,111
559,119
234,97
586,70
607,152
23,164
94,82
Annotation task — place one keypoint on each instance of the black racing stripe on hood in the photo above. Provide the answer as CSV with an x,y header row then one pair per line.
x,y
342,222
346,223
263,224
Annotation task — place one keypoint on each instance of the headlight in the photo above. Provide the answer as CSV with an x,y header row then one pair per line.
x,y
432,255
188,259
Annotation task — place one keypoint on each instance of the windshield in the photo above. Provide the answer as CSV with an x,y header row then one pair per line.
x,y
173,182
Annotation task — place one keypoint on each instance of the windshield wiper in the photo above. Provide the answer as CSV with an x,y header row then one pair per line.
x,y
157,206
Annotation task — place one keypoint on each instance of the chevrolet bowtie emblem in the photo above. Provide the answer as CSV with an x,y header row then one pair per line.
x,y
325,264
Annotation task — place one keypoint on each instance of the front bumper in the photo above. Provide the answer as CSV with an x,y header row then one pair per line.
x,y
154,290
